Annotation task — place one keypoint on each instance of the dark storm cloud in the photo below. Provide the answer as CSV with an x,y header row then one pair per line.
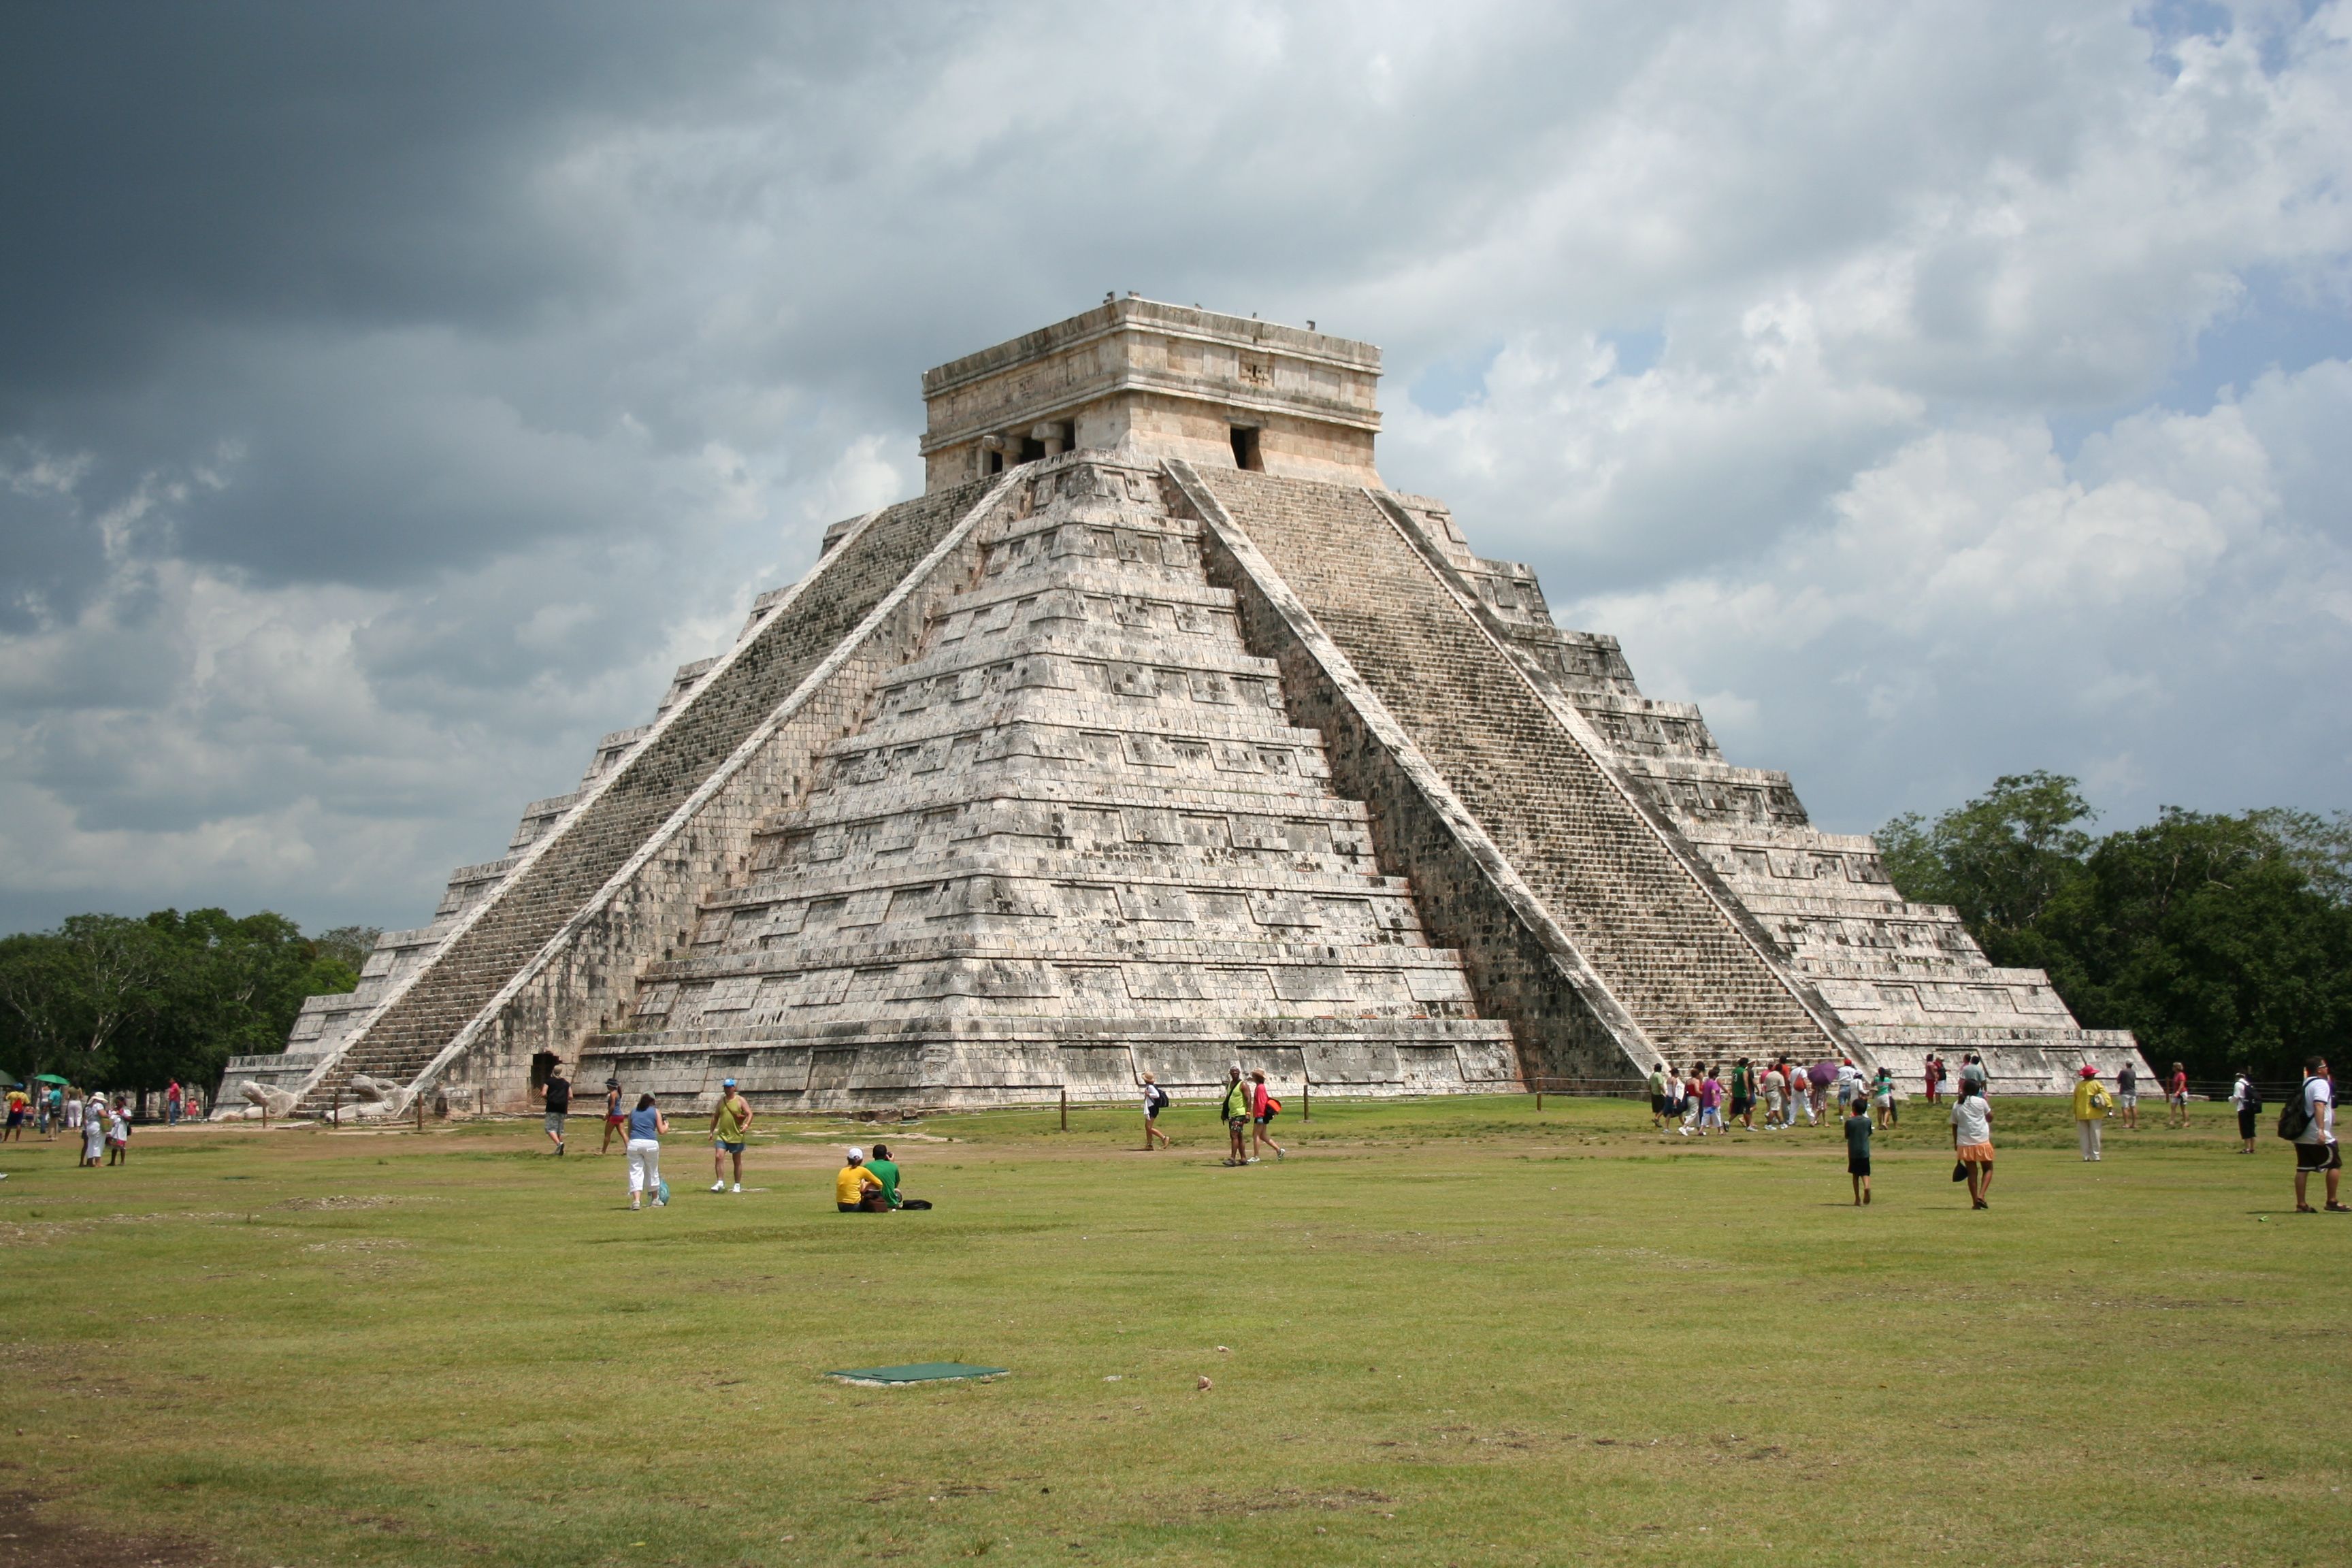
x,y
390,396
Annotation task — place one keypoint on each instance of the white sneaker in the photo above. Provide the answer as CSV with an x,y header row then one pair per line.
x,y
717,1186
738,1186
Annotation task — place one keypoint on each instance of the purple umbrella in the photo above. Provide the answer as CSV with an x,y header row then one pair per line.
x,y
1823,1074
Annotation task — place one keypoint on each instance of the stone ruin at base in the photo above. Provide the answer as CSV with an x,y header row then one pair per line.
x,y
1159,735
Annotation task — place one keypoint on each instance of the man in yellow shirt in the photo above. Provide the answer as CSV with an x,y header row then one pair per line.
x,y
853,1182
2090,1109
729,1119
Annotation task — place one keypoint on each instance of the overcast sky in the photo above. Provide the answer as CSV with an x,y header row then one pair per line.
x,y
389,396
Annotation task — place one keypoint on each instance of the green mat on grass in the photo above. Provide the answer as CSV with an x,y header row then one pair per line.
x,y
918,1372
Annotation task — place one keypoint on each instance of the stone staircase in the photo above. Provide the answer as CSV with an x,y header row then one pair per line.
x,y
1666,947
645,777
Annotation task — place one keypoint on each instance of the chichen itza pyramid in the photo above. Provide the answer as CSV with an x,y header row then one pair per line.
x,y
1159,734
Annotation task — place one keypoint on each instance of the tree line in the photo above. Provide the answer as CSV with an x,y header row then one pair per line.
x,y
2219,941
111,1001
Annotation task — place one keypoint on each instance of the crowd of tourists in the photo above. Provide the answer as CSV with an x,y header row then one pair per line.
x,y
1700,1101
95,1124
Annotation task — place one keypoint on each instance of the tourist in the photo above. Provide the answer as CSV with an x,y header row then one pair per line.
x,y
73,1110
1155,1101
2176,1096
1658,1098
1934,1075
1743,1093
18,1100
558,1092
174,1098
615,1120
1775,1095
730,1118
1263,1108
1882,1096
2248,1099
1818,1079
93,1133
1972,1137
2090,1109
1234,1107
117,1132
885,1170
1710,1101
2127,1095
1973,1076
2314,1145
1857,1151
1850,1096
56,1108
646,1126
855,1189
1694,1105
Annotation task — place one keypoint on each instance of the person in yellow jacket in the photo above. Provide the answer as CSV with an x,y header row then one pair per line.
x,y
2090,1104
854,1186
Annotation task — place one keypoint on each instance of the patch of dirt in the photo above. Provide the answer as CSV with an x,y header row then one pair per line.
x,y
29,1541
1213,1505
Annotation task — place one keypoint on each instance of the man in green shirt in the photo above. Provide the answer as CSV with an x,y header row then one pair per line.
x,y
1235,1109
730,1118
885,1170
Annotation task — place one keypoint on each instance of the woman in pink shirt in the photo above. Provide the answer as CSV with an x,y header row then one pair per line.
x,y
1263,1108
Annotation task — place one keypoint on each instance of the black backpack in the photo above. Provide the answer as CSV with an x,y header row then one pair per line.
x,y
2295,1116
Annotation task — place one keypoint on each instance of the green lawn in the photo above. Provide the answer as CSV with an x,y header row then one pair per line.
x,y
1458,1332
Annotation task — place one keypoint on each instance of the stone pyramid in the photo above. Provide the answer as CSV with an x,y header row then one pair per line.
x,y
1159,735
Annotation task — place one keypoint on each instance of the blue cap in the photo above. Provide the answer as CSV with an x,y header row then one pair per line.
x,y
728,1083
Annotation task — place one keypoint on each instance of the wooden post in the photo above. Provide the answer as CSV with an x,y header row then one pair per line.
x,y
335,1111
1538,1095
1066,1108
1306,1100
420,1111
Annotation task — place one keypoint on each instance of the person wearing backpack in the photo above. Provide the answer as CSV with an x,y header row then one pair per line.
x,y
2249,1102
2090,1109
1263,1108
1155,1101
2309,1119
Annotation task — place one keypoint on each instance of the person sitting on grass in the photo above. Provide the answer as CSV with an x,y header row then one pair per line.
x,y
856,1190
885,1170
1972,1139
1857,1149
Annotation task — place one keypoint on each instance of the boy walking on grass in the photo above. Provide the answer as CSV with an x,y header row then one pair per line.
x,y
1857,1149
559,1106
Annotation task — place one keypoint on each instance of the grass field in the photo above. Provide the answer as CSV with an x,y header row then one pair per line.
x,y
1456,1333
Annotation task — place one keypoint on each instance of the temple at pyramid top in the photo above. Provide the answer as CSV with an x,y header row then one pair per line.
x,y
1157,735
1156,381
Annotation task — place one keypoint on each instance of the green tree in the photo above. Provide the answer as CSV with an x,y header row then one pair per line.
x,y
2000,859
132,1004
2218,939
2206,936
